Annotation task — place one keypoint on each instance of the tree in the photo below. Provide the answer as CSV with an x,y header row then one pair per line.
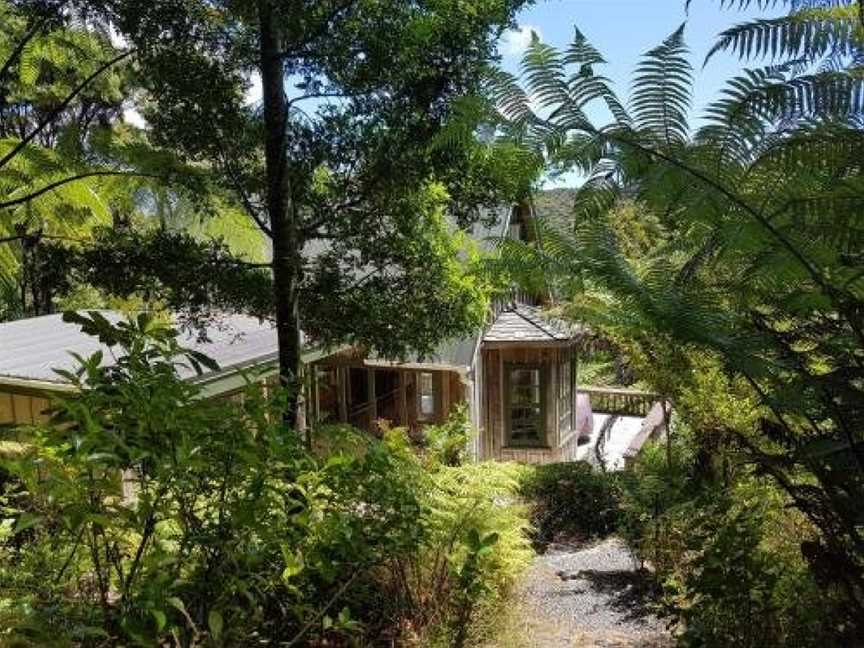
x,y
761,267
68,163
348,164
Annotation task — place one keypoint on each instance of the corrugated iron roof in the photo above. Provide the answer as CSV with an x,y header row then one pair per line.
x,y
31,349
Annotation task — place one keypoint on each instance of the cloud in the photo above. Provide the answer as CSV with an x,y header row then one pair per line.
x,y
515,41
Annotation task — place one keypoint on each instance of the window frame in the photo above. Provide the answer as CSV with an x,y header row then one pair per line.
x,y
542,440
566,377
436,396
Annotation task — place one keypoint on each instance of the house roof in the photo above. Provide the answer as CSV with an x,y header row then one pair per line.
x,y
31,349
522,323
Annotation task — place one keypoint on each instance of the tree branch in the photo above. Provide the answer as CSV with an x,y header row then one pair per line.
x,y
75,178
241,192
61,107
323,95
323,26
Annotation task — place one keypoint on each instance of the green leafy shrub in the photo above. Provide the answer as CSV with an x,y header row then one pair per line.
x,y
447,443
145,515
727,555
571,501
149,513
731,588
443,590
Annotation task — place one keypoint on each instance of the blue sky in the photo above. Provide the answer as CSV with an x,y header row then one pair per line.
x,y
623,30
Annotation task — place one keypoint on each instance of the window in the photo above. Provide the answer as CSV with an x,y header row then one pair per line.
x,y
425,396
565,396
525,405
327,385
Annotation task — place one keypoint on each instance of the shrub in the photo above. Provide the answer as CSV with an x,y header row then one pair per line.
x,y
728,555
459,573
447,444
571,501
228,529
145,515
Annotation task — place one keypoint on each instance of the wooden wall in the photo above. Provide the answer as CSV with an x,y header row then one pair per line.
x,y
18,408
492,442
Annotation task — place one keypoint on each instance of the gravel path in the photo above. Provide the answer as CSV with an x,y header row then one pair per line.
x,y
591,596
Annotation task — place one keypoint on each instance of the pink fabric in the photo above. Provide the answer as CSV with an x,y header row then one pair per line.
x,y
584,415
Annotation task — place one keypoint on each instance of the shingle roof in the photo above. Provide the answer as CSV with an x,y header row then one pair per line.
x,y
31,348
521,323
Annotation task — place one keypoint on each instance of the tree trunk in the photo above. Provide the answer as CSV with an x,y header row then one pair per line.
x,y
287,244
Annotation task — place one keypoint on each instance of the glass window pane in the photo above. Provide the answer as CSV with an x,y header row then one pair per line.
x,y
525,405
426,393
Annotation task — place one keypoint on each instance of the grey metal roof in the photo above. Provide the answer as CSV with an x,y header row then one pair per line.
x,y
522,323
31,348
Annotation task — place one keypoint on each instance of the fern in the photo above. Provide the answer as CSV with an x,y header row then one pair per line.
x,y
662,91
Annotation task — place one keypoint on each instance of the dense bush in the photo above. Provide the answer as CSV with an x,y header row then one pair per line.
x,y
571,501
143,514
727,555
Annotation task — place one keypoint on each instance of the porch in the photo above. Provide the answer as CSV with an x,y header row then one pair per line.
x,y
365,394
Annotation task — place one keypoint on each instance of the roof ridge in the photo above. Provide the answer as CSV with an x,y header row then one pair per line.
x,y
518,308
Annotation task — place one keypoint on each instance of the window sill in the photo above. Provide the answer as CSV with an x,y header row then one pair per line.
x,y
527,447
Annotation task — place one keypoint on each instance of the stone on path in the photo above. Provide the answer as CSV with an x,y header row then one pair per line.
x,y
593,596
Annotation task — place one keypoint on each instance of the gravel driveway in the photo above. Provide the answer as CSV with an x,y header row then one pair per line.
x,y
590,596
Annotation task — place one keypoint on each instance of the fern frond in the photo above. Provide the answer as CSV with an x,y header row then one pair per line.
x,y
662,91
809,34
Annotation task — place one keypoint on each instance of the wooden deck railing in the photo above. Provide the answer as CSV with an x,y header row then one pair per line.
x,y
614,400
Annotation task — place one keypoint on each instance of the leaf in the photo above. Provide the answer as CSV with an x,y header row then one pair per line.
x,y
204,360
490,539
161,619
215,623
27,521
177,603
293,563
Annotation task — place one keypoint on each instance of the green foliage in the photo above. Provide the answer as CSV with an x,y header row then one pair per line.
x,y
571,501
447,443
68,162
145,514
188,517
172,269
474,546
755,274
728,557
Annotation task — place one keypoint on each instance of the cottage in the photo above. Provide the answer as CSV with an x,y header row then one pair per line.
x,y
516,377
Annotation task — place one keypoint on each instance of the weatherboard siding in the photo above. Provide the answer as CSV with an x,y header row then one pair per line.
x,y
493,432
22,409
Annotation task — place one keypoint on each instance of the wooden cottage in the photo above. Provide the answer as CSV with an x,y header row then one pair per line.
x,y
516,377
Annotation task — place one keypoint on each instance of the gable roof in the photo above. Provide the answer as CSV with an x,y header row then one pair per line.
x,y
31,349
522,323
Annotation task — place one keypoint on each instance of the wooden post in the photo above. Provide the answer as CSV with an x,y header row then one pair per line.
x,y
342,393
316,395
403,404
373,403
445,395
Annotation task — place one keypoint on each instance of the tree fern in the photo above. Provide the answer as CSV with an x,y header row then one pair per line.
x,y
763,263
662,89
